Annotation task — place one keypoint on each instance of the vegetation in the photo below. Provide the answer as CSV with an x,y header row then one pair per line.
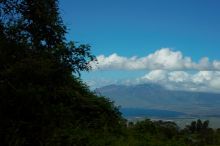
x,y
166,133
43,101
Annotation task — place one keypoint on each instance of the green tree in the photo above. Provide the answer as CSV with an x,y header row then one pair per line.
x,y
42,100
205,125
37,24
193,127
199,125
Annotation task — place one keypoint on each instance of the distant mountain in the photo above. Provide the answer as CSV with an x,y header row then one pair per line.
x,y
153,96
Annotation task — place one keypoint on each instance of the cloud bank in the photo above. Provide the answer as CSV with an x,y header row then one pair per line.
x,y
166,67
203,81
163,59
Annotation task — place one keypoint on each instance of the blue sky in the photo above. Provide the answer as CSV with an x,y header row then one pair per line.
x,y
142,27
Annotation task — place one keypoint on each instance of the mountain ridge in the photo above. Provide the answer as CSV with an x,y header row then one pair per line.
x,y
157,97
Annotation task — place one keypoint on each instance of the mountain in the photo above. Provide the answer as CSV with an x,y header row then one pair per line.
x,y
153,96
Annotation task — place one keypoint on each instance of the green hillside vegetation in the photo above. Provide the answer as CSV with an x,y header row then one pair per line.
x,y
165,133
43,101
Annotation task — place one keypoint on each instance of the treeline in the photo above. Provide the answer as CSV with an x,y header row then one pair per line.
x,y
165,133
43,101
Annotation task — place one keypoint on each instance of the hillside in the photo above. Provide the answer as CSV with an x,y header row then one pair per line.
x,y
157,97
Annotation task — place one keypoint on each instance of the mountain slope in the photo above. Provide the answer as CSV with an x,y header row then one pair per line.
x,y
156,97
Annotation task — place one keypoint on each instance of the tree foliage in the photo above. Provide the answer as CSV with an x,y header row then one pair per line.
x,y
38,26
42,101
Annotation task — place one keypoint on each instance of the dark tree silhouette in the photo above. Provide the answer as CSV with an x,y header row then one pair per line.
x,y
42,101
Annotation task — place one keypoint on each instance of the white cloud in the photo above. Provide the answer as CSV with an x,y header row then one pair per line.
x,y
202,76
118,62
206,81
204,64
178,76
156,76
216,64
166,67
215,83
163,59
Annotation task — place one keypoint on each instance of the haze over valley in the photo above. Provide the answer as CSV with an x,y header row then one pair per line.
x,y
155,101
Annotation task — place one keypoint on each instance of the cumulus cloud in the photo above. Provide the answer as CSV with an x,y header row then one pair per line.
x,y
166,67
208,81
156,76
163,59
216,64
178,76
203,81
215,83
